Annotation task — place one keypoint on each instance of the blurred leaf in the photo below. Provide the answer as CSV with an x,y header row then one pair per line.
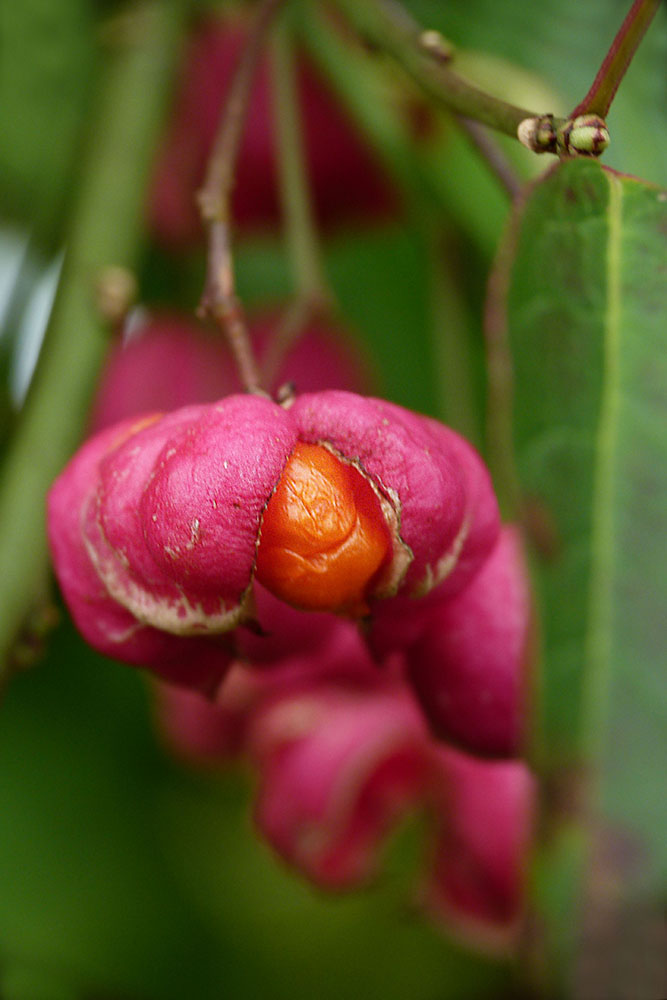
x,y
381,279
48,55
85,895
281,938
125,876
456,335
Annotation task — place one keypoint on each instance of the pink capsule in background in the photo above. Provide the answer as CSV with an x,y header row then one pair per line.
x,y
213,730
348,183
324,355
468,665
337,770
169,360
206,731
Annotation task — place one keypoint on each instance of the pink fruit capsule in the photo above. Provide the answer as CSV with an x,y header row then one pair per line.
x,y
434,490
104,623
347,180
177,514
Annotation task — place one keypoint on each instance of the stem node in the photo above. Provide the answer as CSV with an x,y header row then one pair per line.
x,y
538,134
433,43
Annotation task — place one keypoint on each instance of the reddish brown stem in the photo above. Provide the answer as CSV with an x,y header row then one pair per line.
x,y
219,299
598,99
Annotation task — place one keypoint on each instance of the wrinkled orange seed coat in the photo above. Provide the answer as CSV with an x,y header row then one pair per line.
x,y
323,538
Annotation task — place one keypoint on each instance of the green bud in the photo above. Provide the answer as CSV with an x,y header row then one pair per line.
x,y
538,134
586,135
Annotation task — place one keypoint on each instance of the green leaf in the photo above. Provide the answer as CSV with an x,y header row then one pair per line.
x,y
580,294
585,276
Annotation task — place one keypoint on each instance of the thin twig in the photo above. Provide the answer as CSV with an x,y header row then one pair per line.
x,y
494,156
219,299
598,99
312,292
451,334
500,373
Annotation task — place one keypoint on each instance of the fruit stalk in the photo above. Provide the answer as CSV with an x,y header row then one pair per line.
x,y
219,300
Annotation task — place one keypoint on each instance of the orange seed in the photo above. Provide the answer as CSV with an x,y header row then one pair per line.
x,y
323,537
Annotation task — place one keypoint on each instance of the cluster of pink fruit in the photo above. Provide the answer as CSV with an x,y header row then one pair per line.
x,y
353,671
322,587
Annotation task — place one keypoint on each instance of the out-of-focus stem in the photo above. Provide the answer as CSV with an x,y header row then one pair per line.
x,y
296,193
388,26
355,80
493,155
452,340
105,229
312,294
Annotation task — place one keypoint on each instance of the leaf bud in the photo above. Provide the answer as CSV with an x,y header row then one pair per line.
x,y
586,135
